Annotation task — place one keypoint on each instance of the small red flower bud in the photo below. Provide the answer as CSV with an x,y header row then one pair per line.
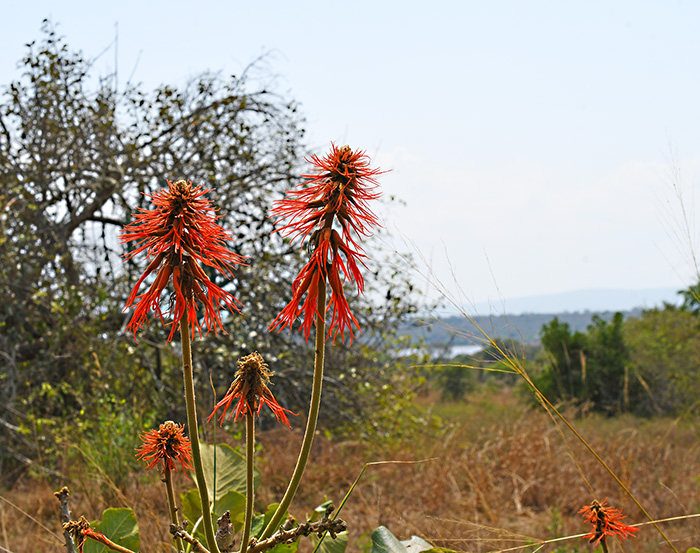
x,y
249,387
162,447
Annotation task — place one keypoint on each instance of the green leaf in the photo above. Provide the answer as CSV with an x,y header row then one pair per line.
x,y
260,521
419,545
192,511
383,541
259,524
693,550
330,545
285,547
191,506
120,526
233,502
230,470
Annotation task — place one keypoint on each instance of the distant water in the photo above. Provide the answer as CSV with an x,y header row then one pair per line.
x,y
446,353
464,350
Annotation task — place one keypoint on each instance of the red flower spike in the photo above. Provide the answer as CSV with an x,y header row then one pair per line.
x,y
162,447
180,235
605,521
249,388
340,189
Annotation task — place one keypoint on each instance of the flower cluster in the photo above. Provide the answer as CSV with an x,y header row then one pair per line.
x,y
338,190
605,521
249,388
179,236
164,446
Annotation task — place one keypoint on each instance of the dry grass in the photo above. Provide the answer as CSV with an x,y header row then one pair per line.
x,y
490,482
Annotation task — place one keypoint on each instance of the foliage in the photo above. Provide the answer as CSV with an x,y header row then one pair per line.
x,y
664,347
589,367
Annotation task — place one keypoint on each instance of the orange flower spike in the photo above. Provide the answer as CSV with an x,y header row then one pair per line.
x,y
250,392
605,521
341,188
180,233
162,447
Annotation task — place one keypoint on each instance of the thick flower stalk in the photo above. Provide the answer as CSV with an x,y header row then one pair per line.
x,y
249,391
180,235
338,192
605,521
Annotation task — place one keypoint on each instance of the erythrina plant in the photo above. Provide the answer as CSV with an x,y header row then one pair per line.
x,y
181,237
338,192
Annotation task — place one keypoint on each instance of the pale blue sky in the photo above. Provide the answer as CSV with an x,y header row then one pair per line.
x,y
531,141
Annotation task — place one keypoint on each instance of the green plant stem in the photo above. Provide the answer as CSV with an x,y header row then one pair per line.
x,y
249,491
312,419
168,479
194,433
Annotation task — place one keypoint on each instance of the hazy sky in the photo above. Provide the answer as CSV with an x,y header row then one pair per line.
x,y
533,143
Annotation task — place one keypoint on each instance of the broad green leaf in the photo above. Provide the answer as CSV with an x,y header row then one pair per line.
x,y
259,524
192,511
419,545
383,541
693,550
120,526
191,506
230,470
285,547
233,502
260,521
330,545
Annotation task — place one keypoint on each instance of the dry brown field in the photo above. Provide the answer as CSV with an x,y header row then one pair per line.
x,y
500,475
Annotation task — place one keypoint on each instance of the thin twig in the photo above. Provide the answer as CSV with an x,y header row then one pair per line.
x,y
288,533
179,532
62,496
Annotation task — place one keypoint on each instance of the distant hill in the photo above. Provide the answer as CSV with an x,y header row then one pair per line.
x,y
458,331
593,299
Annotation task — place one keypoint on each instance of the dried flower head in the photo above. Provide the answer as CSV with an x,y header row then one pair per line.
x,y
605,521
80,530
164,446
179,236
249,387
338,191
